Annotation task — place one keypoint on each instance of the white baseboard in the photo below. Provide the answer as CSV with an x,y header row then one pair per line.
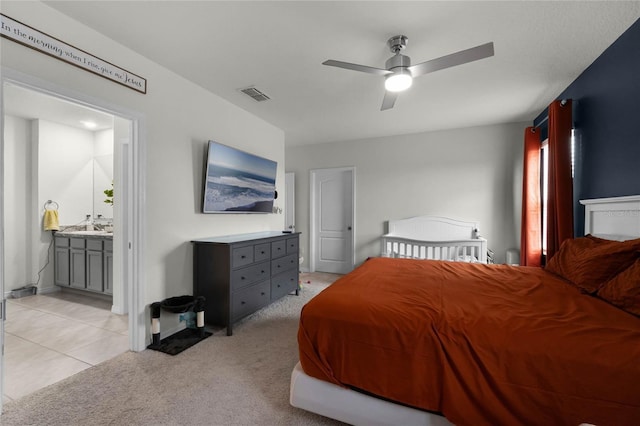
x,y
49,290
115,309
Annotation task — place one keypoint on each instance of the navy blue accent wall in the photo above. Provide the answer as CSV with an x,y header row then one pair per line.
x,y
606,115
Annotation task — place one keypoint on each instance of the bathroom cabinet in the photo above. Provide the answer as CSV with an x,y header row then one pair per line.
x,y
107,268
84,262
61,262
240,274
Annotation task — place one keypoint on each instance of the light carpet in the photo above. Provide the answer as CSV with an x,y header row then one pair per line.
x,y
223,380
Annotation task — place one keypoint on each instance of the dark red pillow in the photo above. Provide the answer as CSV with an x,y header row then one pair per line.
x,y
589,262
623,290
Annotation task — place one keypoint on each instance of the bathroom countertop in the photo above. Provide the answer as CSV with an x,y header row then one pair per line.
x,y
86,234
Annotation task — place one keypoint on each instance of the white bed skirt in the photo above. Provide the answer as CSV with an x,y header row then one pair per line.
x,y
352,407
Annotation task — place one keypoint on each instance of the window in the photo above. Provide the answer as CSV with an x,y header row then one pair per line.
x,y
544,184
544,191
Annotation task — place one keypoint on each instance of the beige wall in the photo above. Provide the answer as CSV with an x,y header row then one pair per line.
x,y
466,174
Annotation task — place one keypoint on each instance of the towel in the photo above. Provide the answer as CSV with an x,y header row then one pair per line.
x,y
51,220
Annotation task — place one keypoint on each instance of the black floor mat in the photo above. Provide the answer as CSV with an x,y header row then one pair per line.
x,y
179,341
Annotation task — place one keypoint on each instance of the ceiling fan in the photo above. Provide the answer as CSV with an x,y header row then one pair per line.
x,y
399,72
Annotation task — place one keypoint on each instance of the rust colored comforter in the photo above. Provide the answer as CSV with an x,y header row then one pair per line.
x,y
481,344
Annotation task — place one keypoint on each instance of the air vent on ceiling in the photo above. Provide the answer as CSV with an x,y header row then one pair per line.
x,y
256,94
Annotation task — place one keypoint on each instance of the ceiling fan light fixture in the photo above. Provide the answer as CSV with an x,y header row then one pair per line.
x,y
398,81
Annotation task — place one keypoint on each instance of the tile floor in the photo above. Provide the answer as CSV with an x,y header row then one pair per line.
x,y
53,336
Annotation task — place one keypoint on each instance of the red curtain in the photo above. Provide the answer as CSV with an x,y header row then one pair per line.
x,y
531,229
560,202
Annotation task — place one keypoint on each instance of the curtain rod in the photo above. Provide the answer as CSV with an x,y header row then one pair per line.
x,y
563,102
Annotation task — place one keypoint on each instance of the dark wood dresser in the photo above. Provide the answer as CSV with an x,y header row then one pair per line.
x,y
239,274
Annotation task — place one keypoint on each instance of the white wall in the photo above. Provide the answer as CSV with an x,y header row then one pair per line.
x,y
466,174
18,229
65,170
179,119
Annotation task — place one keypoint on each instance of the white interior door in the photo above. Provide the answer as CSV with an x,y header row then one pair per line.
x,y
332,221
289,202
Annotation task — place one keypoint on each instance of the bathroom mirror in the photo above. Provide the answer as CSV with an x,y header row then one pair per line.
x,y
102,179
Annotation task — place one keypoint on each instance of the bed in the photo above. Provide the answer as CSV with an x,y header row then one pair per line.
x,y
434,237
425,342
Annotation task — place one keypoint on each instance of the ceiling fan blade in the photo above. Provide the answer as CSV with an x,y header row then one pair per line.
x,y
389,100
356,67
458,58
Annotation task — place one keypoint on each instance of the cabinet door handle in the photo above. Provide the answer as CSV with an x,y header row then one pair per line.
x,y
242,302
262,293
243,257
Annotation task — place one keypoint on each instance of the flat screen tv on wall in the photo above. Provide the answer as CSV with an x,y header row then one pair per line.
x,y
238,182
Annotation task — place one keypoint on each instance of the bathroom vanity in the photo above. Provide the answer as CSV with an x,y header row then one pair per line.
x,y
83,260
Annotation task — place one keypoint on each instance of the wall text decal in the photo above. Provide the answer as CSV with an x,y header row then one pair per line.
x,y
37,40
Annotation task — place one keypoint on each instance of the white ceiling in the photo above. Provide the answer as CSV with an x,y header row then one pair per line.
x,y
278,47
29,104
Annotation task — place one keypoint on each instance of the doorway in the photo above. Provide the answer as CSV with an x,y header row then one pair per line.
x,y
127,232
289,201
332,220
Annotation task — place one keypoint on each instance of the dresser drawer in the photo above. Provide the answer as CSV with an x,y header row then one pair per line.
x,y
241,256
278,248
283,284
250,299
284,264
292,245
251,274
262,252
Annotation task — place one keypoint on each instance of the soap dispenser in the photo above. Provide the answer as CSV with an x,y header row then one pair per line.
x,y
89,224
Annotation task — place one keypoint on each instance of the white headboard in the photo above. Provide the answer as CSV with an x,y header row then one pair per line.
x,y
616,218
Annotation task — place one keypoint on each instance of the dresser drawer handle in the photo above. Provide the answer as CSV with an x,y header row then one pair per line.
x,y
262,293
243,257
242,278
242,302
278,285
262,252
262,272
